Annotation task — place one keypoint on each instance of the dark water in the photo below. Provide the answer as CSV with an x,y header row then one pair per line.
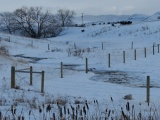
x,y
32,59
131,79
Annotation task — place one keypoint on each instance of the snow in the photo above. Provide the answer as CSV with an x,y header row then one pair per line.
x,y
76,84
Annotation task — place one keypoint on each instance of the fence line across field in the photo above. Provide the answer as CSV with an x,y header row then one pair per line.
x,y
135,53
128,54
13,71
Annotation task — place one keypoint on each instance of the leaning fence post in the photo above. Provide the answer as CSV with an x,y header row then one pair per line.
x,y
145,52
135,54
153,49
12,77
86,65
148,89
109,60
123,56
48,47
61,69
30,75
42,83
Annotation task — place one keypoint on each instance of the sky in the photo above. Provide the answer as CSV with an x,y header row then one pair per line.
x,y
88,7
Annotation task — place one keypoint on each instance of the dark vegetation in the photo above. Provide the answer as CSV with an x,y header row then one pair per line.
x,y
35,22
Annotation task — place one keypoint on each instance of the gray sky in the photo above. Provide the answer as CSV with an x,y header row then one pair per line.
x,y
88,7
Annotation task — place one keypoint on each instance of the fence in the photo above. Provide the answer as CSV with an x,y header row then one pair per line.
x,y
26,70
127,55
123,58
132,54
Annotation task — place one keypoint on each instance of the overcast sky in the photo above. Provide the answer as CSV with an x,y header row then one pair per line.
x,y
88,7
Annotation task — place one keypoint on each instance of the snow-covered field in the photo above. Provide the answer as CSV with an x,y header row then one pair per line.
x,y
107,85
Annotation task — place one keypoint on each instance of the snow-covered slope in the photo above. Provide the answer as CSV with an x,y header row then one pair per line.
x,y
72,48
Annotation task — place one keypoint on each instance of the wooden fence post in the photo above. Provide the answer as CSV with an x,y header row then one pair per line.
x,y
75,46
42,83
31,75
86,65
48,47
109,63
135,54
61,69
153,49
148,89
158,48
102,45
12,77
9,39
132,45
145,52
123,56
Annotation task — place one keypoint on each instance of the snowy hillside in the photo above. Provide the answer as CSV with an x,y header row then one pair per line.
x,y
114,18
108,85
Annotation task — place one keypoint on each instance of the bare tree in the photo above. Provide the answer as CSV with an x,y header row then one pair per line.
x,y
32,22
36,23
65,17
7,22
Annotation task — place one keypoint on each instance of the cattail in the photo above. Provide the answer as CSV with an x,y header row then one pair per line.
x,y
73,116
109,113
78,106
123,114
127,106
80,112
61,112
76,117
76,112
64,110
73,113
112,111
87,106
43,105
30,112
72,108
111,99
54,118
97,102
132,107
22,117
5,118
19,117
84,110
68,111
106,110
48,108
58,104
140,115
14,111
40,110
0,115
